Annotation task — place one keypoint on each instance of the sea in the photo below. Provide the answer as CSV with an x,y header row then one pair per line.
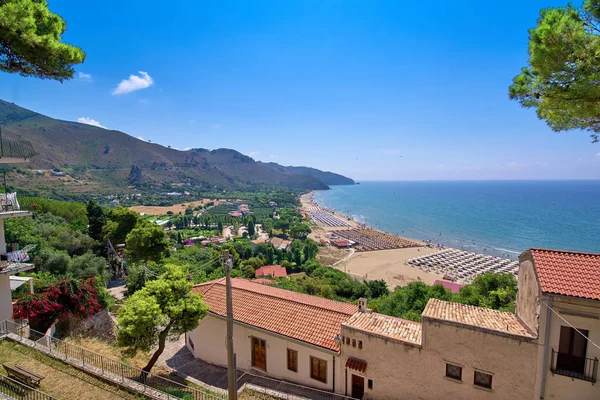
x,y
499,218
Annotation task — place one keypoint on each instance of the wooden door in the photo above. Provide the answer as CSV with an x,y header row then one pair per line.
x,y
259,353
358,386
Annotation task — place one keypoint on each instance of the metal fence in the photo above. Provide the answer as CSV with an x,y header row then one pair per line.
x,y
17,390
574,367
116,371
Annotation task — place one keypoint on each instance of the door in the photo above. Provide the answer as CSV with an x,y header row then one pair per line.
x,y
358,386
259,353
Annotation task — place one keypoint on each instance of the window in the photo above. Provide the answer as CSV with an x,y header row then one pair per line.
x,y
353,342
360,344
348,341
572,349
318,369
370,383
483,380
292,360
454,371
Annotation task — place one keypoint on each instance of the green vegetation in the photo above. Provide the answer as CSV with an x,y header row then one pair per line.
x,y
30,41
560,81
164,308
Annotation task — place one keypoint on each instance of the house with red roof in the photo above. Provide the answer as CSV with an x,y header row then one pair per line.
x,y
547,348
276,271
559,301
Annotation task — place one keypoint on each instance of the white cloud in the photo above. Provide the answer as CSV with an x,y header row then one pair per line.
x,y
89,121
216,126
85,77
187,148
141,138
254,153
597,154
134,83
273,157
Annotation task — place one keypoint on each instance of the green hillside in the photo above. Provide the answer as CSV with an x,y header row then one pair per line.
x,y
98,159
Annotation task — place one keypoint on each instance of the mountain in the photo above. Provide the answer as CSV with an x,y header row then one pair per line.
x,y
329,178
97,159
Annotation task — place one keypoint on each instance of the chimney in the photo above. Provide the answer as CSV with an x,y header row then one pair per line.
x,y
362,304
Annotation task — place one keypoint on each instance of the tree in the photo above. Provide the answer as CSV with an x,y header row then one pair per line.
x,y
311,248
146,243
164,309
561,80
30,41
251,229
96,220
120,221
300,230
490,290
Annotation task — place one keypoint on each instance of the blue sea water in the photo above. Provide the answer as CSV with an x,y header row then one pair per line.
x,y
500,218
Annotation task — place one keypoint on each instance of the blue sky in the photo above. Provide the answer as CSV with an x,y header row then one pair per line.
x,y
371,89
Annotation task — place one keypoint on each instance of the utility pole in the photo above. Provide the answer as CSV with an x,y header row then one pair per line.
x,y
231,372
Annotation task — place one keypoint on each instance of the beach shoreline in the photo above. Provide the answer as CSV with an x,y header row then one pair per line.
x,y
390,265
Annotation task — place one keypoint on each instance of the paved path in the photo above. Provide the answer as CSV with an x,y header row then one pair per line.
x,y
117,289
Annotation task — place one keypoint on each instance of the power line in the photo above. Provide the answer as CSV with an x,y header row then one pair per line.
x,y
571,325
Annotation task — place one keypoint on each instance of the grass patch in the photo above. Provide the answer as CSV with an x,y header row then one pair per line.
x,y
60,380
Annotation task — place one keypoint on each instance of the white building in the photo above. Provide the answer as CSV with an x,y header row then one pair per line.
x,y
282,334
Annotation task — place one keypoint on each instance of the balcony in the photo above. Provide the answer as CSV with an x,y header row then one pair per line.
x,y
574,367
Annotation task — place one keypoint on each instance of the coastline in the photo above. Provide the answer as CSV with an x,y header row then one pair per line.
x,y
390,265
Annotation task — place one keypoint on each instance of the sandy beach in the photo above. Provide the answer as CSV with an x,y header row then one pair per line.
x,y
389,265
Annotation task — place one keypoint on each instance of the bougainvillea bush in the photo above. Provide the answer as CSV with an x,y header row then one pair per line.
x,y
76,297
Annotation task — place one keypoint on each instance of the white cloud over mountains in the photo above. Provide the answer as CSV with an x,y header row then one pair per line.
x,y
133,83
89,121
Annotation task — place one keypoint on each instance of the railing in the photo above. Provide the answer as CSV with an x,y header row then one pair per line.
x,y
16,390
131,377
574,367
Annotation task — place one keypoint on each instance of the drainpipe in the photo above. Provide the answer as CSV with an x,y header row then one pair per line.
x,y
546,347
346,382
333,380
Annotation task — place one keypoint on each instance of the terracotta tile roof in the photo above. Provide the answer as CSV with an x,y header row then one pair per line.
x,y
307,318
384,325
356,364
486,318
568,273
271,270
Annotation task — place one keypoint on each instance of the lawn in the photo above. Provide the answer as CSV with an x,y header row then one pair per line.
x,y
60,380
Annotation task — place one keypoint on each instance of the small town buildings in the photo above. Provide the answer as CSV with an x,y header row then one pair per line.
x,y
546,349
276,271
281,244
282,334
341,243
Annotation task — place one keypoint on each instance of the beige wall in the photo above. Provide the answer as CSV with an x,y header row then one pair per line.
x,y
209,345
6,309
581,314
409,372
527,305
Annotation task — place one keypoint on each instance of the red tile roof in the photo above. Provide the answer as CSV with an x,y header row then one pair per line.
x,y
311,319
271,270
357,365
486,318
341,243
385,325
568,273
